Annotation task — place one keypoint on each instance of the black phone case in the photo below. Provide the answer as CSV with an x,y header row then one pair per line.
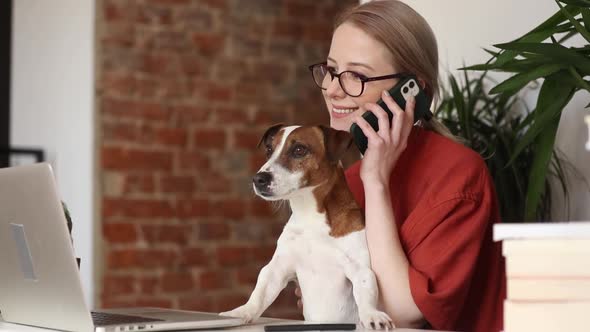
x,y
421,110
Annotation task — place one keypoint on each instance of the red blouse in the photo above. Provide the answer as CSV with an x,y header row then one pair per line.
x,y
444,204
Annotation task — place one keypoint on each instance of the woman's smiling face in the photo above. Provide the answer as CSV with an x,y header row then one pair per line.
x,y
354,50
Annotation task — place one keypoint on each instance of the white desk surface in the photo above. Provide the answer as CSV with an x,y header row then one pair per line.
x,y
258,326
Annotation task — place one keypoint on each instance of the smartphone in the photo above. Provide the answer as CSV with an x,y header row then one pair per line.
x,y
405,88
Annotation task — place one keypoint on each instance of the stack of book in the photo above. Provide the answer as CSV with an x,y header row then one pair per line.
x,y
547,275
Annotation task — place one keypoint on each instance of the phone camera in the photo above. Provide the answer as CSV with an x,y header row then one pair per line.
x,y
405,89
412,84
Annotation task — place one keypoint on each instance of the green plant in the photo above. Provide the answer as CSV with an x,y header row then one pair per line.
x,y
540,54
493,125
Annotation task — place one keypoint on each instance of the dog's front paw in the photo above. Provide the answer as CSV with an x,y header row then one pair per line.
x,y
374,319
245,312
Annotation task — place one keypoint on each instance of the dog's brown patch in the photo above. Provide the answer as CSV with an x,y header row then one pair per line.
x,y
320,169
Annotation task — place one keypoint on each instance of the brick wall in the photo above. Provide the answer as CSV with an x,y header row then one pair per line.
x,y
185,90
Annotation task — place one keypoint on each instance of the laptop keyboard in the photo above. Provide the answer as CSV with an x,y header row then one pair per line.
x,y
104,318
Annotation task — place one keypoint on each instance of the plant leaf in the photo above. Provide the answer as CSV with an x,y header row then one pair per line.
x,y
555,93
586,18
554,51
538,174
517,82
579,3
574,22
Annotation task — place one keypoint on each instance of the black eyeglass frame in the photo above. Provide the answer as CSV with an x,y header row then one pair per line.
x,y
364,79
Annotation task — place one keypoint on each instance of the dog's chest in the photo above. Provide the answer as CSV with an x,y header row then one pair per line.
x,y
314,250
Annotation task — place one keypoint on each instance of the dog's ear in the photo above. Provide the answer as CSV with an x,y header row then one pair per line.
x,y
269,134
336,142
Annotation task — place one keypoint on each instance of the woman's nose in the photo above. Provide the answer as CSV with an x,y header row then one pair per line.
x,y
334,90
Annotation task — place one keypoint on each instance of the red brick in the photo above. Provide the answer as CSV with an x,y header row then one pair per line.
x,y
197,303
262,209
298,10
122,132
136,208
177,184
172,136
120,232
169,2
191,114
139,183
176,282
229,208
195,257
118,285
210,280
158,64
152,258
194,161
208,44
175,234
233,256
247,275
246,139
214,231
108,302
263,254
229,302
219,93
130,109
123,258
187,208
154,15
215,182
206,138
118,83
288,29
231,115
148,285
217,4
117,158
153,302
256,161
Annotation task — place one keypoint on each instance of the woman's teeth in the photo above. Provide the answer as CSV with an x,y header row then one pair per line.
x,y
344,110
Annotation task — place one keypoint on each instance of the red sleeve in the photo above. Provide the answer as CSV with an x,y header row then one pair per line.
x,y
443,243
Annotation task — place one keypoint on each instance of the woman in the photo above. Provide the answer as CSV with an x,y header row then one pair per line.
x,y
429,201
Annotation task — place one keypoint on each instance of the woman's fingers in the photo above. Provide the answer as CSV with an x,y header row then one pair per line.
x,y
298,291
366,128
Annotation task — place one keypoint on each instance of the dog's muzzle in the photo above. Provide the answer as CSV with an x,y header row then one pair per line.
x,y
262,181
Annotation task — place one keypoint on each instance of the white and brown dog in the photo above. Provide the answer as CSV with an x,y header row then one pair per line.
x,y
323,244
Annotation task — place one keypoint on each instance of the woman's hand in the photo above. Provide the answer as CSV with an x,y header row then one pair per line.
x,y
386,145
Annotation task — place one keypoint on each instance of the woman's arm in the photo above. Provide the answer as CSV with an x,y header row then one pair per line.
x,y
388,259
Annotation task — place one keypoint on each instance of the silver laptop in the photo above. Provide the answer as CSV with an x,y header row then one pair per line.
x,y
39,278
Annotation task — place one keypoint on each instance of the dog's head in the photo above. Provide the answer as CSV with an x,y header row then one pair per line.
x,y
298,157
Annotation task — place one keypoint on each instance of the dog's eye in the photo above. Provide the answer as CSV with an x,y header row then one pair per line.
x,y
299,151
268,151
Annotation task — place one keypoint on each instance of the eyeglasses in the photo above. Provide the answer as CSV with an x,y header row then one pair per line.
x,y
353,84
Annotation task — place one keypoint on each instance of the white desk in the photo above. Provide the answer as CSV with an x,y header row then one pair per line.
x,y
256,327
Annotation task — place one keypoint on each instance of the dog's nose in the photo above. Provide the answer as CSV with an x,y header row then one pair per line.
x,y
262,179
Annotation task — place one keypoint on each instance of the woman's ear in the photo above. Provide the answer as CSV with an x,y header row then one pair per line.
x,y
422,83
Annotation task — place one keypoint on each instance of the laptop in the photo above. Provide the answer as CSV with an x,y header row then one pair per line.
x,y
39,278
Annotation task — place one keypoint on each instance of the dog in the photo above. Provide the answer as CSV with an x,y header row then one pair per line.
x,y
323,244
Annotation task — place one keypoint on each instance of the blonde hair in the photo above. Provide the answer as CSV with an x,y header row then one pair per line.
x,y
410,40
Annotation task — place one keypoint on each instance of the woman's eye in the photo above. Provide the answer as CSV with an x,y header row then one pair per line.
x,y
357,76
299,151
